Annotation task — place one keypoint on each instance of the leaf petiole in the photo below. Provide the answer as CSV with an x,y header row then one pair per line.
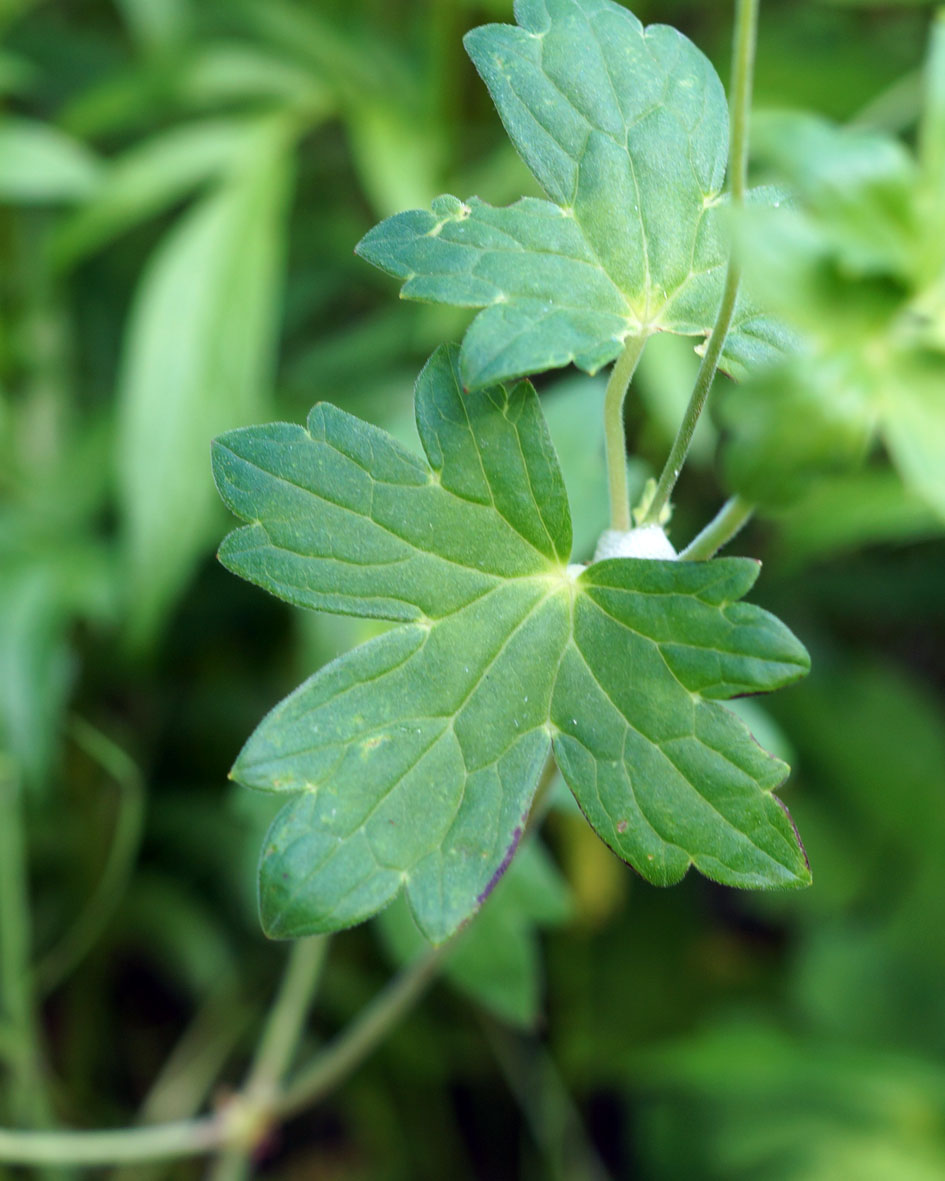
x,y
730,520
614,436
743,62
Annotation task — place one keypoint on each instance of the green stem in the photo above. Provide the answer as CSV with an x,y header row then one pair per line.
x,y
731,518
274,1053
743,60
192,1069
614,435
288,1015
28,1101
230,1127
362,1036
113,1147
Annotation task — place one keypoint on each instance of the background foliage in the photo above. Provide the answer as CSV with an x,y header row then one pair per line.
x,y
181,188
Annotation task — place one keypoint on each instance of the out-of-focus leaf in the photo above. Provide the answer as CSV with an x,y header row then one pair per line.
x,y
167,920
859,183
156,23
867,728
34,665
915,427
789,427
197,359
150,177
397,154
932,148
351,60
39,164
857,266
846,512
789,1108
16,73
497,961
233,72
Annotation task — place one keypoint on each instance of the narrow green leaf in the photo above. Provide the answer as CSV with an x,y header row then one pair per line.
x,y
413,759
626,129
150,178
197,357
237,72
39,164
156,23
34,665
397,153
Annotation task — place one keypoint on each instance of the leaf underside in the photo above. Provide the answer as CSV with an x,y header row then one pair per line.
x,y
412,761
626,130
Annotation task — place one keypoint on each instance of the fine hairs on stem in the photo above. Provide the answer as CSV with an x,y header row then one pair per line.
x,y
620,378
743,60
731,518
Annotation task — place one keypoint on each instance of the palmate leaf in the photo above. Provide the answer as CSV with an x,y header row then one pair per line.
x,y
626,130
412,761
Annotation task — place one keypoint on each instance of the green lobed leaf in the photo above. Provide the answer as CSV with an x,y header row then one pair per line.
x,y
412,761
626,130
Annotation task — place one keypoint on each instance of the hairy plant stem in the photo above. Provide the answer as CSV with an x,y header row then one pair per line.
x,y
743,61
614,435
274,1053
238,1119
369,1028
729,520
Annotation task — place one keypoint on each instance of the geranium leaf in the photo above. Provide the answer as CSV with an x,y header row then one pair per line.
x,y
626,129
413,760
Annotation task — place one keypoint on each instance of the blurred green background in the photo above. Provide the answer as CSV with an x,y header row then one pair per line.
x,y
182,183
